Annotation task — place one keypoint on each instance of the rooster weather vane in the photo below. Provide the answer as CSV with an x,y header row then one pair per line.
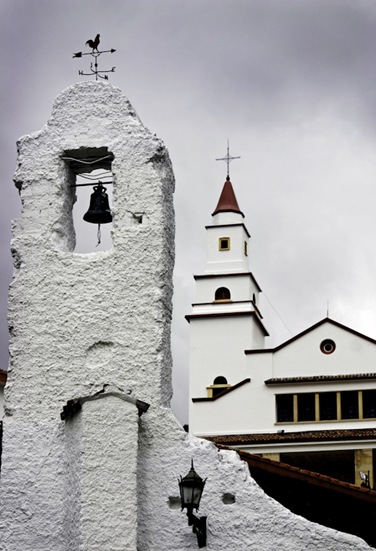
x,y
95,53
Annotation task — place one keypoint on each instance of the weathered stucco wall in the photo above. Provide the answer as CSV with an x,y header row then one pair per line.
x,y
64,306
1,400
82,321
80,324
253,522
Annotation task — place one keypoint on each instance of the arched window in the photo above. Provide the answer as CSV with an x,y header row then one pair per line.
x,y
220,380
219,385
222,293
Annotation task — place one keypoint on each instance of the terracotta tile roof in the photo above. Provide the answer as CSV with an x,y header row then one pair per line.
x,y
287,437
317,497
227,201
308,477
321,378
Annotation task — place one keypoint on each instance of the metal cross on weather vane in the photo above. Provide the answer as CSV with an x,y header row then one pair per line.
x,y
95,53
228,158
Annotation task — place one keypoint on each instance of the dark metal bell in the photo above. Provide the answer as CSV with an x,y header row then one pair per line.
x,y
99,210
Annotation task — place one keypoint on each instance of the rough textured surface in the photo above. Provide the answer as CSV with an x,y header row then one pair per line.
x,y
82,321
254,521
109,475
79,322
65,305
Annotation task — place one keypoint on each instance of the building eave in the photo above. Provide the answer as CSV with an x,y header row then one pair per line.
x,y
191,317
308,330
221,302
321,379
334,435
229,274
212,226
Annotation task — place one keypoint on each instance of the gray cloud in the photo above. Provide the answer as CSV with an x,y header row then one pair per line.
x,y
291,83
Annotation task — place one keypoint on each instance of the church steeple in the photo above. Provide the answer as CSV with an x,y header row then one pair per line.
x,y
225,318
227,201
227,235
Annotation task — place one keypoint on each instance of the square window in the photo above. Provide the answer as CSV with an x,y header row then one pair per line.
x,y
224,244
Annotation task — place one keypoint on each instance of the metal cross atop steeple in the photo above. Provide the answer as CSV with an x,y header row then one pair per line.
x,y
228,158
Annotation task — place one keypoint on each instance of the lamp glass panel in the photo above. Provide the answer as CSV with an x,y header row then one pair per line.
x,y
197,491
187,494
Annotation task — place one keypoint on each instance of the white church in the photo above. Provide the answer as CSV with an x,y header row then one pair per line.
x,y
309,402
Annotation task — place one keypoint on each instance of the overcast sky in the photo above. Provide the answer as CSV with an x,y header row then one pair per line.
x,y
291,83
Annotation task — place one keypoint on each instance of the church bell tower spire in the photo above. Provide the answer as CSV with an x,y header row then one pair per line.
x,y
227,200
225,318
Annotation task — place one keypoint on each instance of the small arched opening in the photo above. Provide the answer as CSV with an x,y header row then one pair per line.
x,y
219,385
220,380
222,293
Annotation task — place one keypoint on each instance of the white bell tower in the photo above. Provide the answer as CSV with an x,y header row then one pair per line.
x,y
225,318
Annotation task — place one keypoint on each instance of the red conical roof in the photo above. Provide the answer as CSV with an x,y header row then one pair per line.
x,y
227,201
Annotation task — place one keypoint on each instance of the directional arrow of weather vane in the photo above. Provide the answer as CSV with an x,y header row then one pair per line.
x,y
95,53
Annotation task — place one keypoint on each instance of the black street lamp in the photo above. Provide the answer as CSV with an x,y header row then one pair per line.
x,y
191,488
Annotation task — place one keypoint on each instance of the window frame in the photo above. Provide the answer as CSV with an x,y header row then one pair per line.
x,y
221,247
339,398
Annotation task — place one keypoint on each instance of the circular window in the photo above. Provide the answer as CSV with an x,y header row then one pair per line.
x,y
327,346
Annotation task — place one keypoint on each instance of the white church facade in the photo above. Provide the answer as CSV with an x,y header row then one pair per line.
x,y
309,402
